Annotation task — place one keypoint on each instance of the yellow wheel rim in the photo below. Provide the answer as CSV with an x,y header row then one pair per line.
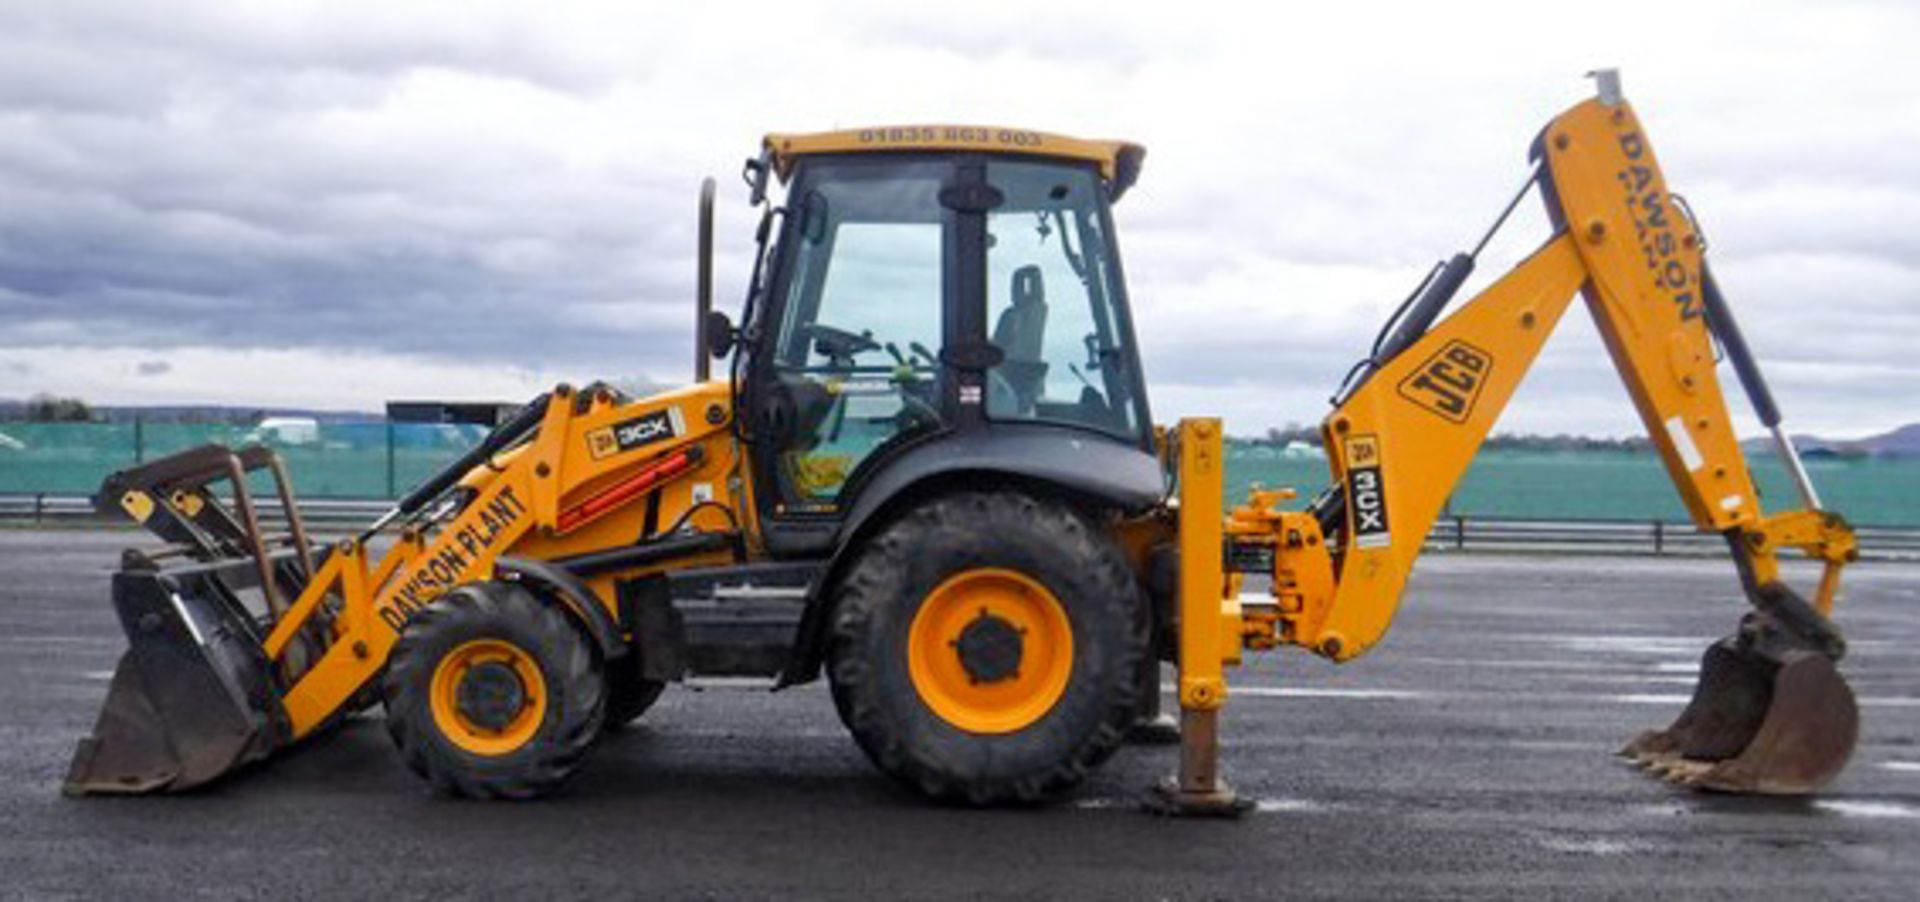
x,y
990,650
488,697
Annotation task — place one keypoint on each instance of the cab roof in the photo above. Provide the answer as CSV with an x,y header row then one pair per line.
x,y
1119,161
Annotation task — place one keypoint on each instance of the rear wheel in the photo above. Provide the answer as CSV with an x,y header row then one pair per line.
x,y
490,693
985,647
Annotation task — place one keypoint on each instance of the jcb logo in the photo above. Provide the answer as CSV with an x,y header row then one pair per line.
x,y
1449,382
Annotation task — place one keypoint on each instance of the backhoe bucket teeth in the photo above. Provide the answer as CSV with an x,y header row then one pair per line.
x,y
1771,722
192,698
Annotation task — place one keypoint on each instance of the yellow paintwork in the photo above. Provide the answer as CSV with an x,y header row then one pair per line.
x,y
787,147
137,504
1046,651
1420,455
443,694
515,506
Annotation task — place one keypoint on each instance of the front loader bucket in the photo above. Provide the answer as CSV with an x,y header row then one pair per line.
x,y
1766,721
193,696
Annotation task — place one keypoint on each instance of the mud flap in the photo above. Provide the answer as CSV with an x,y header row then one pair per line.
x,y
193,697
1764,719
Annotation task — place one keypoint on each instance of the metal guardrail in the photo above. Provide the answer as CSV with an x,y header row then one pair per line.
x,y
1453,533
341,513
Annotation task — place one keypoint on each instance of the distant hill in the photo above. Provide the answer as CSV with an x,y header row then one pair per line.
x,y
1901,442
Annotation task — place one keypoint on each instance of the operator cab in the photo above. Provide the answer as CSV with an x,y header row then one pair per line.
x,y
932,283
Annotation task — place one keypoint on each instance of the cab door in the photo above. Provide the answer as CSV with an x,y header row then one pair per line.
x,y
847,369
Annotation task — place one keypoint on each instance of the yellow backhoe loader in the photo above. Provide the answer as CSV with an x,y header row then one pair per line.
x,y
930,471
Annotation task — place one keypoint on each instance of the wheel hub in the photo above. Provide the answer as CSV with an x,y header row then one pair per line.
x,y
491,695
989,648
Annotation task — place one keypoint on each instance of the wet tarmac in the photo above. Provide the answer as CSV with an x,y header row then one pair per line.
x,y
1468,755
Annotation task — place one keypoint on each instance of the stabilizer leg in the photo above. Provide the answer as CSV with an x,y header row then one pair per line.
x,y
1198,790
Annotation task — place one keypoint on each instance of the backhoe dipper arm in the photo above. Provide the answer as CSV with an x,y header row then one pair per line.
x,y
1399,443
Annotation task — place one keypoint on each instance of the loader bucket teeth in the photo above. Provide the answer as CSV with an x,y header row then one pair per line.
x,y
191,699
1762,722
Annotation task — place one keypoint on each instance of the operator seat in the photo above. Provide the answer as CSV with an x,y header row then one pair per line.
x,y
1020,334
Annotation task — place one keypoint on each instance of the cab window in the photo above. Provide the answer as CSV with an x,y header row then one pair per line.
x,y
1051,309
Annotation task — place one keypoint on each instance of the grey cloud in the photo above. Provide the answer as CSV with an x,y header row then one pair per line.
x,y
203,173
153,368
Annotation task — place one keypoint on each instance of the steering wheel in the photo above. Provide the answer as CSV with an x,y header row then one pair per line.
x,y
839,345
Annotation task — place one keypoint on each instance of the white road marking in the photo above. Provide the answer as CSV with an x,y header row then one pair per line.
x,y
1910,767
1399,695
99,675
58,640
1617,645
1286,806
1595,846
1312,692
1862,808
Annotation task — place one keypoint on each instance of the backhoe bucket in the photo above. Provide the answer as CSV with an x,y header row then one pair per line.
x,y
193,696
1762,720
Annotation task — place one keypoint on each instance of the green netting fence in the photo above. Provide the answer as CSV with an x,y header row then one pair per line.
x,y
382,460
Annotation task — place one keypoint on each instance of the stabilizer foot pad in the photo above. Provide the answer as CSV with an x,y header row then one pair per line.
x,y
1169,800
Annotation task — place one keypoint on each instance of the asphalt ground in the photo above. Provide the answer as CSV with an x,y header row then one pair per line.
x,y
1469,755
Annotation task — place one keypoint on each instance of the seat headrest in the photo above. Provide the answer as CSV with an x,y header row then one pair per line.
x,y
1028,286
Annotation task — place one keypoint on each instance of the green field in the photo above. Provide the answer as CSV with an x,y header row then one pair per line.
x,y
373,460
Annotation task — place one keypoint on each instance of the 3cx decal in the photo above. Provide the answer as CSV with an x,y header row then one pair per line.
x,y
627,435
1367,493
1449,382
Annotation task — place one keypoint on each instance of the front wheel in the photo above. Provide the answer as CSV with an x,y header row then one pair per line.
x,y
985,647
492,694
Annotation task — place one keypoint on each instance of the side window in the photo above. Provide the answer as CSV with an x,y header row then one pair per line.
x,y
1050,306
861,327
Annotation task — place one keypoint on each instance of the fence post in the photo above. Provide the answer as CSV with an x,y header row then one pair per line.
x,y
39,505
1659,537
392,491
1459,533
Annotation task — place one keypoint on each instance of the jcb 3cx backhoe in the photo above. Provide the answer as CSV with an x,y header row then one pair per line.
x,y
931,472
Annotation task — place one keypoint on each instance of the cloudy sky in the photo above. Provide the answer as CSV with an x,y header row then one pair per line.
x,y
332,204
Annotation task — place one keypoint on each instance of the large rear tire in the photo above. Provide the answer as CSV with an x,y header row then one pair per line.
x,y
986,647
492,694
